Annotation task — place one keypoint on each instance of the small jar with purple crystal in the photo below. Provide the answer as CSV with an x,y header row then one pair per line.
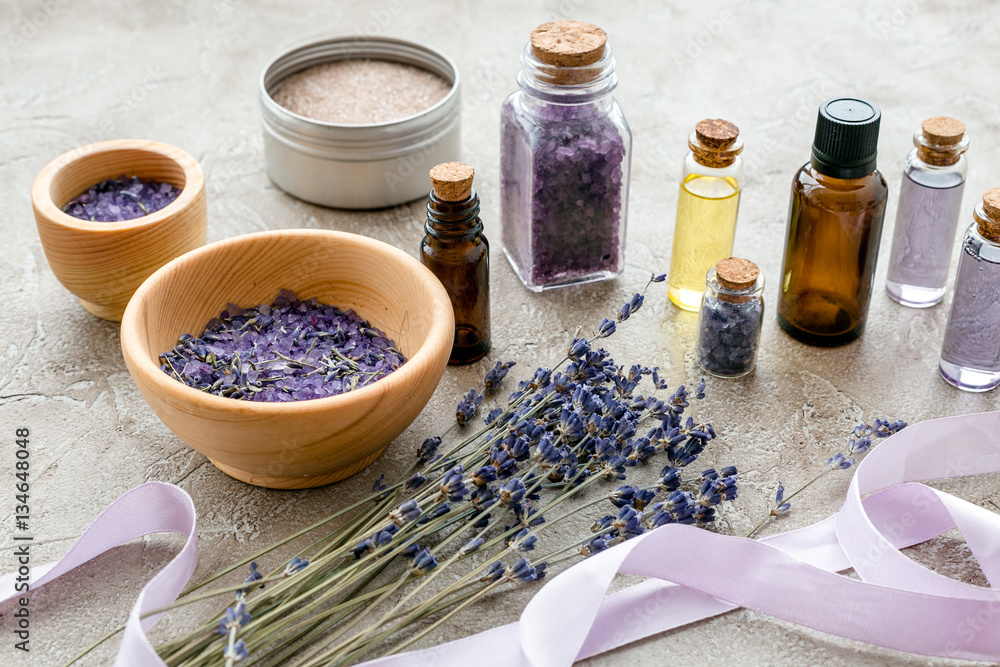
x,y
732,311
565,150
970,355
930,201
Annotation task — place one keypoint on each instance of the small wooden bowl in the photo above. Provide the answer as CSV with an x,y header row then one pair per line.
x,y
103,263
306,443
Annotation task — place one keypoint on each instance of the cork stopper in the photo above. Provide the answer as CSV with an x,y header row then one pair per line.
x,y
568,43
942,130
736,273
989,226
715,142
452,181
716,133
941,141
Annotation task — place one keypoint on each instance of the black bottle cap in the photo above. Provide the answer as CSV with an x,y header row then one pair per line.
x,y
846,138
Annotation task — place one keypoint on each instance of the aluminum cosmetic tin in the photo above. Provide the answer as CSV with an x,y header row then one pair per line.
x,y
358,166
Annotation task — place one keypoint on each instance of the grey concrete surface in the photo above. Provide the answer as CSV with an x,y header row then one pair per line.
x,y
186,73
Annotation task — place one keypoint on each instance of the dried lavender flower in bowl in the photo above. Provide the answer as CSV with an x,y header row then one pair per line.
x,y
299,443
289,350
103,262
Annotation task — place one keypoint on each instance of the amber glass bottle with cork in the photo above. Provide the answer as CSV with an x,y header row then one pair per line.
x,y
834,228
456,251
707,205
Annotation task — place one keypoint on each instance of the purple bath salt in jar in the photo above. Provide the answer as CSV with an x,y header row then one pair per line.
x,y
970,355
930,202
565,150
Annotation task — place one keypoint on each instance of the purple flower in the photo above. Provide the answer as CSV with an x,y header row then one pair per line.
x,y
297,564
236,652
453,484
467,407
493,572
428,448
494,377
780,507
423,562
234,618
838,462
522,571
471,545
405,513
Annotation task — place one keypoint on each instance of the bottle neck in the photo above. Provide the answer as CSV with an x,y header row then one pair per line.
x,y
453,220
840,171
937,155
735,296
567,85
988,227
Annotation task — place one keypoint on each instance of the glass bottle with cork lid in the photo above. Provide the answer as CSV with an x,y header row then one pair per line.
x,y
732,312
834,228
930,202
456,251
565,150
707,206
970,354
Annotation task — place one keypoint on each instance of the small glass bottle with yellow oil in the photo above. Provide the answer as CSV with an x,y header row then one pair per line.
x,y
706,209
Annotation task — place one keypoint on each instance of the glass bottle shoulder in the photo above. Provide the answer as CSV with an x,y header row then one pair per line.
x,y
524,110
732,174
978,247
932,176
835,193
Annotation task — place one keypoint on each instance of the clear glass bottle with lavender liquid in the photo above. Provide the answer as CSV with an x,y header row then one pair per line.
x,y
930,202
564,161
970,355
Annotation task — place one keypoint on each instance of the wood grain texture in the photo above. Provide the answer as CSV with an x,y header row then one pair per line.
x,y
305,443
103,263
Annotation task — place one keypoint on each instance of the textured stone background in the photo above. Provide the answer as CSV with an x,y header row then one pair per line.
x,y
186,73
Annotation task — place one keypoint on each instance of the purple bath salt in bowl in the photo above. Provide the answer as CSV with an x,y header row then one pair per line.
x,y
289,350
122,198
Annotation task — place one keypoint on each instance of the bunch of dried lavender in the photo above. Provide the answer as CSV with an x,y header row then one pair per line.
x,y
476,512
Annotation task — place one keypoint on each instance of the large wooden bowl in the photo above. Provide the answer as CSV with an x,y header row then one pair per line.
x,y
306,443
103,263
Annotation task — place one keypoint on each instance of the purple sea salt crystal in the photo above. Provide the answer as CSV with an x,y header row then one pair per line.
x,y
564,181
122,198
289,351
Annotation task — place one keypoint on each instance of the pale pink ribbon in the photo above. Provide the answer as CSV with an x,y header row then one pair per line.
x,y
694,574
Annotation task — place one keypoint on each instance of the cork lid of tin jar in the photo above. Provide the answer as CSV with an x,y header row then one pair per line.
x,y
736,273
989,226
715,142
568,43
452,181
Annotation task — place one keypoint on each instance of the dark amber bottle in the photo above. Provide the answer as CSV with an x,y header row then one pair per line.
x,y
456,251
834,228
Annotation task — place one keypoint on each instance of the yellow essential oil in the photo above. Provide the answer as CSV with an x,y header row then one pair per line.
x,y
703,234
